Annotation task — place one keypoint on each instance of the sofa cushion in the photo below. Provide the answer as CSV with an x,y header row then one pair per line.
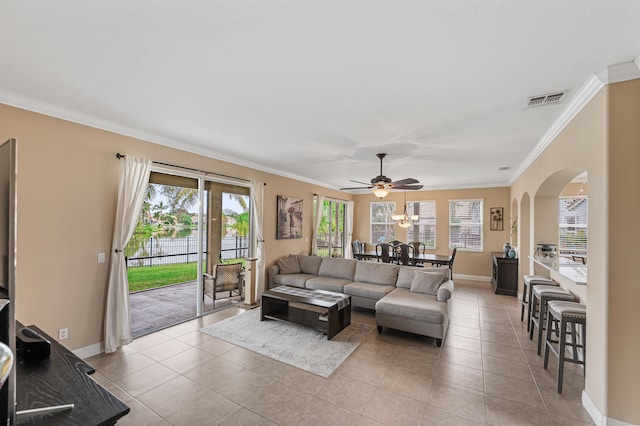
x,y
309,264
405,275
426,282
289,265
295,280
421,307
338,268
376,273
327,283
367,290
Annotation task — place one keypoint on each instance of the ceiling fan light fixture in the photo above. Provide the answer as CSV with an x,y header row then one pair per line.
x,y
380,192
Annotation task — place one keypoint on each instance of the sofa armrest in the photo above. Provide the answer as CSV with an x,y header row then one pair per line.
x,y
445,291
272,271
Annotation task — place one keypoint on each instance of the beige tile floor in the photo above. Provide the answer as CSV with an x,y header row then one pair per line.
x,y
486,372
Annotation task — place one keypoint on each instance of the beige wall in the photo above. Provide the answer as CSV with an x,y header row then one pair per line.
x,y
623,345
602,140
466,263
67,183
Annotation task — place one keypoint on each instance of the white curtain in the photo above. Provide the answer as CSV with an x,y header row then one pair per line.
x,y
131,193
316,224
257,205
348,225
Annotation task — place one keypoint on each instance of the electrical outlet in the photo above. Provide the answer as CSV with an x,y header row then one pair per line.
x,y
63,333
100,257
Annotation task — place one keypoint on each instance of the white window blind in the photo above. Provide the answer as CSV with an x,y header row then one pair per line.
x,y
573,222
465,224
383,228
424,229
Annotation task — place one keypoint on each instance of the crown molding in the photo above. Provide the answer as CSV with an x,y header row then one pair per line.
x,y
588,90
618,73
74,116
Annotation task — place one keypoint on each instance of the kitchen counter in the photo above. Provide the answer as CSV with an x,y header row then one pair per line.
x,y
576,272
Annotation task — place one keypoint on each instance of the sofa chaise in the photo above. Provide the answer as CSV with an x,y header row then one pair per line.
x,y
407,298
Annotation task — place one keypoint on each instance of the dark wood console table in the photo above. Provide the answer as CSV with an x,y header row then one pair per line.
x,y
61,379
505,274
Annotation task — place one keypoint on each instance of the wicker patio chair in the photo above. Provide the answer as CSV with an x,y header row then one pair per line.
x,y
227,277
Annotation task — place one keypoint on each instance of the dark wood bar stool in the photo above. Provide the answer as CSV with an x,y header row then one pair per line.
x,y
541,295
563,314
529,282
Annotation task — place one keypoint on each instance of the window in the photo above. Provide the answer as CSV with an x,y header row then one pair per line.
x,y
424,230
383,228
465,224
573,224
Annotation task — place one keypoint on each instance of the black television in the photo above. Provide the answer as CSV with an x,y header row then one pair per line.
x,y
8,219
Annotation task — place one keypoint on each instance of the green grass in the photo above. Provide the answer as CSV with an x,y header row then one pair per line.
x,y
147,277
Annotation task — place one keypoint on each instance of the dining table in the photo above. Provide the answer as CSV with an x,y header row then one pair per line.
x,y
434,259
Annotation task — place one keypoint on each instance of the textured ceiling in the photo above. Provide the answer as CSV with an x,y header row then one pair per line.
x,y
314,89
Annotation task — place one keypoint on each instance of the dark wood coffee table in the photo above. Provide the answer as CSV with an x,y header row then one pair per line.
x,y
322,310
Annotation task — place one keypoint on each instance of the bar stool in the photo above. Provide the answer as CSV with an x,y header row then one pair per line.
x,y
541,295
560,315
529,282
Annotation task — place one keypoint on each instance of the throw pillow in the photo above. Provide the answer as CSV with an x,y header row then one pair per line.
x,y
310,264
289,265
426,282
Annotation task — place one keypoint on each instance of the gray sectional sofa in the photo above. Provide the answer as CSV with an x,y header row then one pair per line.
x,y
407,298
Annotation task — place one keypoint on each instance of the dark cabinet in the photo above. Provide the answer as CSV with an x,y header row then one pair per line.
x,y
505,274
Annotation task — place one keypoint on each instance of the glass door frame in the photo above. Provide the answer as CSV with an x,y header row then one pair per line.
x,y
201,205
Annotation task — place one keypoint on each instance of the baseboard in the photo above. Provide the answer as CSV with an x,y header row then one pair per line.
x,y
89,351
597,416
472,278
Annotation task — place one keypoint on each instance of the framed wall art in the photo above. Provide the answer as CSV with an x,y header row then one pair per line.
x,y
497,218
289,218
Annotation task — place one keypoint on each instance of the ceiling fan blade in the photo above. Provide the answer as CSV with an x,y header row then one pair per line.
x,y
357,181
357,187
406,181
410,187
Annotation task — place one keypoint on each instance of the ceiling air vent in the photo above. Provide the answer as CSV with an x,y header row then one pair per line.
x,y
548,99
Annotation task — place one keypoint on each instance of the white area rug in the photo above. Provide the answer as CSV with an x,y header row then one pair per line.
x,y
293,344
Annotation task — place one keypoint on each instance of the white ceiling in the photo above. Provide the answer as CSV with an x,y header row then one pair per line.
x,y
314,89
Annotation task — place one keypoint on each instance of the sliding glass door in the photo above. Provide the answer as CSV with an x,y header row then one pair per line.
x,y
188,226
331,233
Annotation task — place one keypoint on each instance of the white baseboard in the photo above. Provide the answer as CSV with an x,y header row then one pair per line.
x,y
597,416
89,351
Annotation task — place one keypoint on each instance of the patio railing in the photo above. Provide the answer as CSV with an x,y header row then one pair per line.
x,y
154,251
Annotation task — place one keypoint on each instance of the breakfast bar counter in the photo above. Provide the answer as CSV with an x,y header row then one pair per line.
x,y
570,274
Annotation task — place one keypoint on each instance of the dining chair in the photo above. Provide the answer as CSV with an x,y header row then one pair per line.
x,y
383,252
419,247
453,256
358,248
405,254
396,243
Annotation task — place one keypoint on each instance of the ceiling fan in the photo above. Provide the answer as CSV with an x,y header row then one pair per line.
x,y
381,185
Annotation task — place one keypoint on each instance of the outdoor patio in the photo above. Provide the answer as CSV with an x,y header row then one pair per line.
x,y
162,307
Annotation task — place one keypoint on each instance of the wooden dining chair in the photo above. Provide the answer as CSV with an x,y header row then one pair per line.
x,y
453,256
405,254
419,248
383,252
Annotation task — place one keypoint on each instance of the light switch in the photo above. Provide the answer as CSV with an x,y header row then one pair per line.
x,y
100,257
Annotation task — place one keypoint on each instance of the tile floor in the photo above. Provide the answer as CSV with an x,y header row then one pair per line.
x,y
486,372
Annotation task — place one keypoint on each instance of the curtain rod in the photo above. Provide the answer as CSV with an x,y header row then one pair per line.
x,y
120,156
332,198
